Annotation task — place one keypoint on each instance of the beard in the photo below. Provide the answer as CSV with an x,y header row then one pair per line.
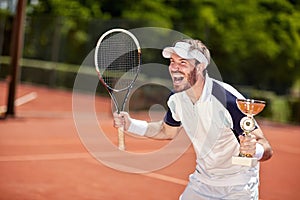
x,y
191,80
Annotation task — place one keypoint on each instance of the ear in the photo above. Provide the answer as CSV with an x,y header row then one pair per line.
x,y
200,67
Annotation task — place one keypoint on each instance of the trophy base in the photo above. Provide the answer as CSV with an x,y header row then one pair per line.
x,y
244,161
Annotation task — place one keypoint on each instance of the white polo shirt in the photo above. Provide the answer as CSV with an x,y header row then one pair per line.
x,y
212,124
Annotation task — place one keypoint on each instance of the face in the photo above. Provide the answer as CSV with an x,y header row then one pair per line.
x,y
183,73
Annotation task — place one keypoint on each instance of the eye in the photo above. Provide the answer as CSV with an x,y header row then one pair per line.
x,y
183,62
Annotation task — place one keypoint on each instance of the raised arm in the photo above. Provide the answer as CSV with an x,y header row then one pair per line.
x,y
156,130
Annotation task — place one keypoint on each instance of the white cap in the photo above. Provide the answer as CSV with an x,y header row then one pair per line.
x,y
182,49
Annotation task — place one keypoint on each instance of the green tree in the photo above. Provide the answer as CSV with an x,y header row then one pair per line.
x,y
253,42
54,24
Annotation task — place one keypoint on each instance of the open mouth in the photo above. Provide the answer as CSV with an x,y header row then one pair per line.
x,y
177,78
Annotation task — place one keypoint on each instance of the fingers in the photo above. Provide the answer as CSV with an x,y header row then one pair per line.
x,y
121,120
118,120
248,144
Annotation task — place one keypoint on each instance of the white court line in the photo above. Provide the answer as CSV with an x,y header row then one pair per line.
x,y
67,156
166,178
26,98
35,157
21,100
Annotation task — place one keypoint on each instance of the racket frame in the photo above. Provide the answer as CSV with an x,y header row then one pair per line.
x,y
121,139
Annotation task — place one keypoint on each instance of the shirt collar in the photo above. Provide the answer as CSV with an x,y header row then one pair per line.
x,y
207,89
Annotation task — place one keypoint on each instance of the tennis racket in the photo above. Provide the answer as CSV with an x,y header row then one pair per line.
x,y
117,61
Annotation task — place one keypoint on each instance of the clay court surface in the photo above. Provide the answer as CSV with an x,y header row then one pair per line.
x,y
42,156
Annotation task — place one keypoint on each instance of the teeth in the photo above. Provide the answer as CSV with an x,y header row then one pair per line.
x,y
178,78
177,75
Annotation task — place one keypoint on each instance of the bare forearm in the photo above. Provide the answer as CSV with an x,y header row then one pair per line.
x,y
268,152
158,130
261,139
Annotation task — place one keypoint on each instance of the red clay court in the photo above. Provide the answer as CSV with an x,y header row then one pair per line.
x,y
42,156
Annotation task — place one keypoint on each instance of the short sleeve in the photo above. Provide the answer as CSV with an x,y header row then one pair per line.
x,y
169,119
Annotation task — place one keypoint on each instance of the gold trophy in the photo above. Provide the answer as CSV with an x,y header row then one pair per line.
x,y
250,108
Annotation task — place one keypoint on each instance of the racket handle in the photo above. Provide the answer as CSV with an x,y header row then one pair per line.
x,y
121,138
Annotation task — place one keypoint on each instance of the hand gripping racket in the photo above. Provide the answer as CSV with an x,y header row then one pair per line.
x,y
117,61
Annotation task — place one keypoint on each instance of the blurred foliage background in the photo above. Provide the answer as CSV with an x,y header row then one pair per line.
x,y
254,43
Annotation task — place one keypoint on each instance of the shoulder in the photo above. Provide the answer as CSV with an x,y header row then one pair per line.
x,y
227,95
171,118
220,88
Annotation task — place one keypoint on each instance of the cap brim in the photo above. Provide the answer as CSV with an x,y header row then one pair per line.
x,y
168,51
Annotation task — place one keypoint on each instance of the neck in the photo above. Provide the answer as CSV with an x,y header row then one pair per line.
x,y
196,90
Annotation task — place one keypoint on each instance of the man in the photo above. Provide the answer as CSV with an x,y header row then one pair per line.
x,y
207,110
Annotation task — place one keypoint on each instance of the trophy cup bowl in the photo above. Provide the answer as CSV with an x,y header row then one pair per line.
x,y
250,108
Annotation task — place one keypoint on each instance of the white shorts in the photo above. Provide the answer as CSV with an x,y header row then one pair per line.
x,y
197,190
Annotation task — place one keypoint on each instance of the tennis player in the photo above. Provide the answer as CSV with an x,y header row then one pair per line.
x,y
206,109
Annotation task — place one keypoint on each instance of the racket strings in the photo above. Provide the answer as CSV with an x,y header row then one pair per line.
x,y
119,60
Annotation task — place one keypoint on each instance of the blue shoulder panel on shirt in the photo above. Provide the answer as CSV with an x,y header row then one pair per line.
x,y
228,100
168,119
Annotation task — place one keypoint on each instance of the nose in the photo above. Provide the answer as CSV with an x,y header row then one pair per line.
x,y
173,67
